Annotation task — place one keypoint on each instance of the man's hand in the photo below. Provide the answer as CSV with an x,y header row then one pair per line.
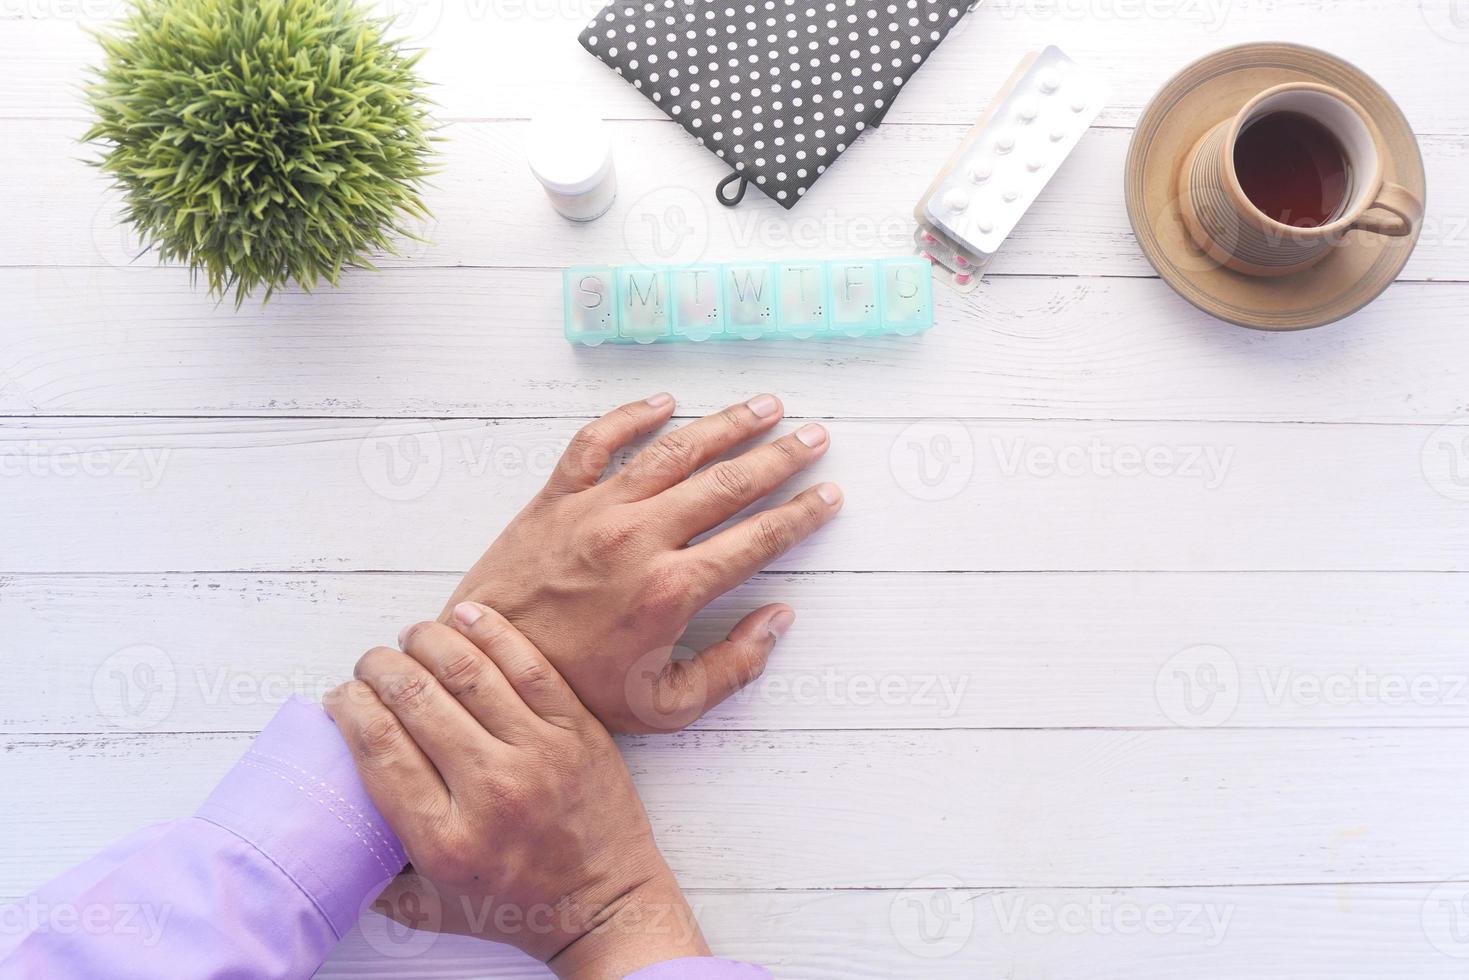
x,y
600,575
513,803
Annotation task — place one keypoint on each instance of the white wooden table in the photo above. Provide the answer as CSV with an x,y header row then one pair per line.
x,y
1147,634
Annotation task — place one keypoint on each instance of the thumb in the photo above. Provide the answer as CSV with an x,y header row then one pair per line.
x,y
691,687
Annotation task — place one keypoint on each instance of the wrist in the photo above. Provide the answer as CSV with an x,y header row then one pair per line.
x,y
650,924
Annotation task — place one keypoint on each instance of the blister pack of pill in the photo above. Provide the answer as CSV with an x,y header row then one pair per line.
x,y
1004,162
640,304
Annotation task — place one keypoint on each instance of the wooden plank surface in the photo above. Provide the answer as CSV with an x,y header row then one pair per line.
x,y
511,58
449,342
876,651
791,809
1339,932
930,495
668,214
1029,696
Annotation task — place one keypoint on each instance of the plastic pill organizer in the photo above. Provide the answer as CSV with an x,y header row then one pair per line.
x,y
640,304
1005,161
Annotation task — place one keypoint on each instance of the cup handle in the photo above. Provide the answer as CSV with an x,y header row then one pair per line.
x,y
1404,213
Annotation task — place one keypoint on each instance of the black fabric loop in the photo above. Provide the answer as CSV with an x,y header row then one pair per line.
x,y
739,195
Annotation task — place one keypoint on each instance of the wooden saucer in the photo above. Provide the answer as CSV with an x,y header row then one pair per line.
x,y
1213,89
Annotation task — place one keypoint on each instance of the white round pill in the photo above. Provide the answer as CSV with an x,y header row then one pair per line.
x,y
1058,134
1011,196
1004,143
1027,111
956,200
1049,81
1035,164
1078,104
984,225
982,171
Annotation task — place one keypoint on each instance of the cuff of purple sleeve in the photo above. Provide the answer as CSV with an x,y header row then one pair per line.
x,y
296,797
700,968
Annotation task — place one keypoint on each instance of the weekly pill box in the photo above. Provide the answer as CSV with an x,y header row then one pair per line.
x,y
1006,159
640,304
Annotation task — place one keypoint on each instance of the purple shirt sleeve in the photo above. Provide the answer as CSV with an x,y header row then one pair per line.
x,y
264,880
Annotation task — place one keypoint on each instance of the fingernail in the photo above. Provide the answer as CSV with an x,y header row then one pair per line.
x,y
660,400
830,494
780,622
763,405
467,613
811,434
402,636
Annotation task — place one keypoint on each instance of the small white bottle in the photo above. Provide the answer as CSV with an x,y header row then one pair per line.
x,y
571,155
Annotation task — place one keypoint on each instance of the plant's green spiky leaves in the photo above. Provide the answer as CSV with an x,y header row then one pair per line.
x,y
261,141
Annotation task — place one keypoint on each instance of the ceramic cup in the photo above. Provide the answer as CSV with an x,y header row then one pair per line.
x,y
1230,229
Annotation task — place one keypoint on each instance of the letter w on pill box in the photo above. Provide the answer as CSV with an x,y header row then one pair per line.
x,y
642,304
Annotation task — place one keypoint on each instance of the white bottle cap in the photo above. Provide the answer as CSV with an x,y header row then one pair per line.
x,y
569,152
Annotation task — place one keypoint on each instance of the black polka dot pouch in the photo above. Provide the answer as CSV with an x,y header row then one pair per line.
x,y
778,89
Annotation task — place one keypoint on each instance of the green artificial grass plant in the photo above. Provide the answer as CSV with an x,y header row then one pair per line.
x,y
261,141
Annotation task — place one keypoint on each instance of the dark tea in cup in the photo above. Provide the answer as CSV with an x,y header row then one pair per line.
x,y
1293,169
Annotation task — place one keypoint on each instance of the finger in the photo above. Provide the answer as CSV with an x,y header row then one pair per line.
x,y
737,552
689,688
463,670
540,687
590,451
672,457
717,493
453,741
400,779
